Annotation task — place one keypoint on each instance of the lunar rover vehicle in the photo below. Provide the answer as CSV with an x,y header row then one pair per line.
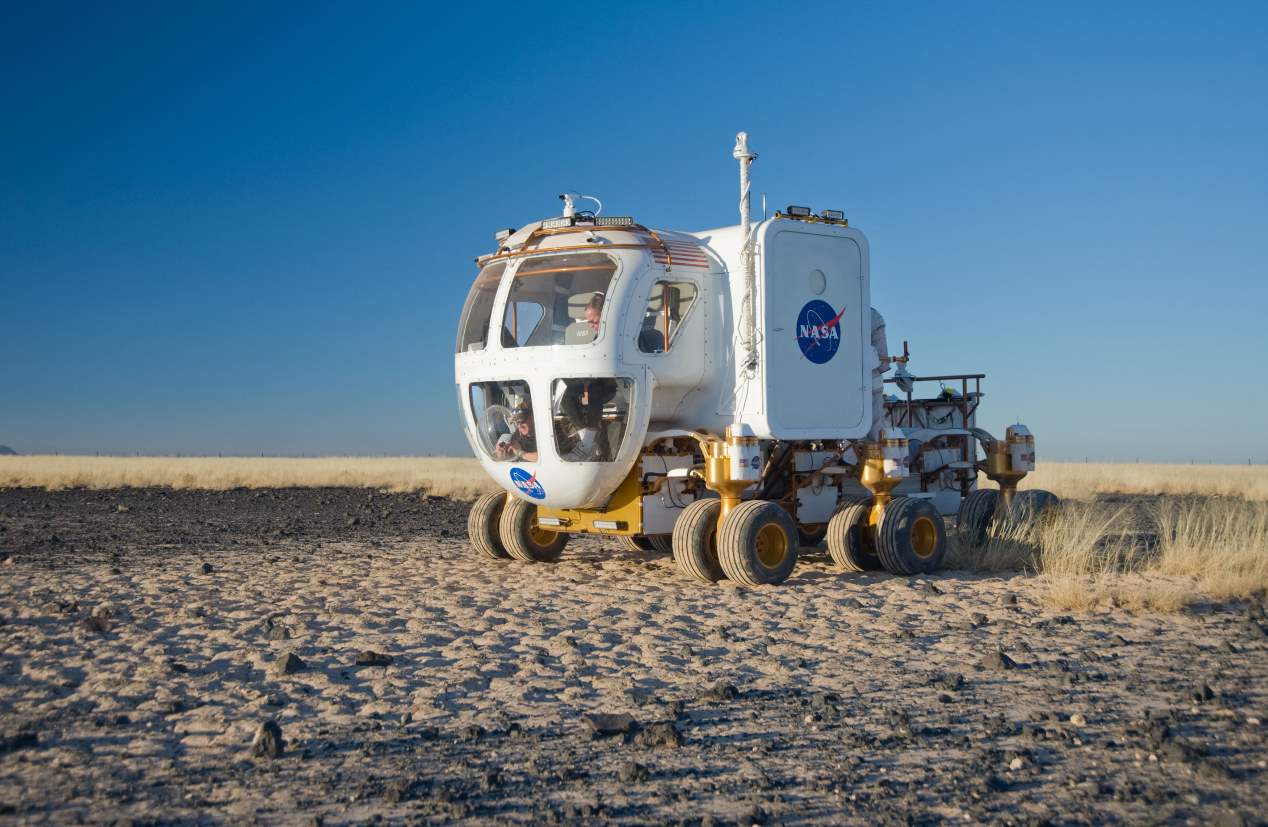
x,y
718,395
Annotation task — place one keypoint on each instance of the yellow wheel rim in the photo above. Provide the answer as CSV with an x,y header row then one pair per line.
x,y
772,545
924,537
540,536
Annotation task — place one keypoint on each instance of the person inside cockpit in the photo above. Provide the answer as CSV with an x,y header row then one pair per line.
x,y
522,444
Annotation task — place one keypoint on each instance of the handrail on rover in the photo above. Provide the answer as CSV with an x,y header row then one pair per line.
x,y
967,449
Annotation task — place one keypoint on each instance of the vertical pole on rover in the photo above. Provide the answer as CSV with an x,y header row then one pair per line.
x,y
748,322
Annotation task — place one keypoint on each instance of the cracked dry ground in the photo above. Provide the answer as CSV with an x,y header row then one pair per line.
x,y
145,635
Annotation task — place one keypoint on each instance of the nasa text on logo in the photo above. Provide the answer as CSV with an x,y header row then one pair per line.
x,y
528,483
819,331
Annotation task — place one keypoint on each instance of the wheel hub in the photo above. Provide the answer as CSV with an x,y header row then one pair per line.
x,y
540,536
772,545
924,537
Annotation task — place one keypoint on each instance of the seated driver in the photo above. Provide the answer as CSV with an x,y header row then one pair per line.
x,y
521,445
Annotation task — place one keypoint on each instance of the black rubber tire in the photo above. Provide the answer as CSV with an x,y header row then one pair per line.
x,y
695,545
911,537
746,537
482,525
1033,506
850,541
634,542
973,521
517,526
664,543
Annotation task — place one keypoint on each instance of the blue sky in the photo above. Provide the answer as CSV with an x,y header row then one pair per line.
x,y
250,229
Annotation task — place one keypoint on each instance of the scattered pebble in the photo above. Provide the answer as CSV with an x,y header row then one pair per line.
x,y
268,741
371,658
1201,693
603,725
632,772
638,697
98,621
720,691
661,734
289,664
998,661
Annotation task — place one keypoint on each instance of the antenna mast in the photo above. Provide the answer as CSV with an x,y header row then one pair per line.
x,y
748,321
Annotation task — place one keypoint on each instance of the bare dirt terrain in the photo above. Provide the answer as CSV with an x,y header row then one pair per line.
x,y
147,634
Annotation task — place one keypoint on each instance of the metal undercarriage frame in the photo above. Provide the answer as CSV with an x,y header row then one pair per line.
x,y
780,482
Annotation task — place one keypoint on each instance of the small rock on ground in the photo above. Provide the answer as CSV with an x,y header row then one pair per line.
x,y
289,664
632,772
268,741
659,735
998,661
371,658
605,724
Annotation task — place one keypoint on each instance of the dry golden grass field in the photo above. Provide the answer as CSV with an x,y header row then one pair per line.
x,y
442,476
1183,533
462,478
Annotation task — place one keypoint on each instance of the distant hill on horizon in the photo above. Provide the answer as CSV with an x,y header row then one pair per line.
x,y
6,451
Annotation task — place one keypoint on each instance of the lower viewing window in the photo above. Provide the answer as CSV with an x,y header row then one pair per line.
x,y
503,424
590,417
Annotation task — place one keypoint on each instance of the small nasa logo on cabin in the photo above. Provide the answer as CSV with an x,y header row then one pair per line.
x,y
819,331
528,483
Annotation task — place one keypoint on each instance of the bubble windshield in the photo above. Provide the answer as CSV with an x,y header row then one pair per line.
x,y
557,300
473,329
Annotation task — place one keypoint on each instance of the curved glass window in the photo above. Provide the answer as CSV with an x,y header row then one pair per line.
x,y
590,417
668,305
557,300
504,426
473,329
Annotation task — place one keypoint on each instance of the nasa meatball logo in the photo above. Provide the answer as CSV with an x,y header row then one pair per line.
x,y
528,483
819,331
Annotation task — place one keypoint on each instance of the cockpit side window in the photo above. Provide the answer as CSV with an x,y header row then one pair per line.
x,y
557,300
667,306
473,329
503,420
591,417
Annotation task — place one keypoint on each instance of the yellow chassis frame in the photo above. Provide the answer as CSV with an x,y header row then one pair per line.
x,y
625,508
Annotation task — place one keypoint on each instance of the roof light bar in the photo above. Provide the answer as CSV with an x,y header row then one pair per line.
x,y
832,215
799,212
613,220
557,223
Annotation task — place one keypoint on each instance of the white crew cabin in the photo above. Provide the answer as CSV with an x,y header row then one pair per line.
x,y
583,339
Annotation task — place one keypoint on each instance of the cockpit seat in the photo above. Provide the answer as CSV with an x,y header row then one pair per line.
x,y
578,333
651,340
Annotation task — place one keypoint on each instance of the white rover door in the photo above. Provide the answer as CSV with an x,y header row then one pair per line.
x,y
817,326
